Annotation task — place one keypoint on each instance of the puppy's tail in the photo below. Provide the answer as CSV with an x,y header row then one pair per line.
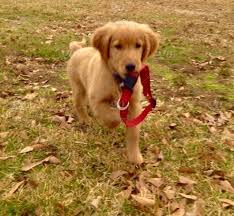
x,y
75,45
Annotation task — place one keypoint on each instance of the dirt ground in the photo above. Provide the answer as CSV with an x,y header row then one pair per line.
x,y
51,165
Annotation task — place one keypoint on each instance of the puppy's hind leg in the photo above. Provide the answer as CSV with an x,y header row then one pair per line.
x,y
80,102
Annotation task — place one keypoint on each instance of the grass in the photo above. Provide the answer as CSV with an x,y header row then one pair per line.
x,y
36,35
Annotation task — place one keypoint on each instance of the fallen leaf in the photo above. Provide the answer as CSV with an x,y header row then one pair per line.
x,y
30,96
186,180
160,156
14,189
116,174
126,193
29,166
226,186
187,170
141,185
186,115
157,182
230,144
172,125
31,148
70,119
96,202
179,212
227,134
212,129
59,119
50,159
48,41
3,135
26,149
227,114
209,118
158,212
226,202
143,200
220,58
62,95
191,197
170,194
197,209
6,157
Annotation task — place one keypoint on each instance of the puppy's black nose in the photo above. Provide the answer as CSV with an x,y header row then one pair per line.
x,y
130,67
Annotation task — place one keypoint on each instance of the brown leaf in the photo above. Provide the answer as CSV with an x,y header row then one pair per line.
x,y
116,174
172,125
62,95
3,135
157,182
226,186
209,118
30,96
29,166
186,115
230,144
220,58
158,212
228,139
6,157
96,202
179,212
143,200
70,119
186,180
26,149
170,194
198,208
187,170
227,202
126,193
212,129
32,147
50,159
59,119
191,197
14,189
141,185
227,134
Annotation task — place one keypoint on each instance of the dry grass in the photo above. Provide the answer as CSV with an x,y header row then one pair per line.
x,y
193,77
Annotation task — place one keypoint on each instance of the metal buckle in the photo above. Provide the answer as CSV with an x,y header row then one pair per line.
x,y
121,108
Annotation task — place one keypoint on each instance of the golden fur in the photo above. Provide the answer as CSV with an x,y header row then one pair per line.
x,y
91,71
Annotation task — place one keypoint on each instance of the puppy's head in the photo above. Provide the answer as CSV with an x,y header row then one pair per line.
x,y
125,45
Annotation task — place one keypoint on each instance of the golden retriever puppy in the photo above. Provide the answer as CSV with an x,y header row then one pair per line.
x,y
117,48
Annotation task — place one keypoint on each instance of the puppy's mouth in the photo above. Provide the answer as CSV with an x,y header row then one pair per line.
x,y
119,77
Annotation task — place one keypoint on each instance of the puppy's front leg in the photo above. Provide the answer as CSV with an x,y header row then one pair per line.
x,y
132,136
105,112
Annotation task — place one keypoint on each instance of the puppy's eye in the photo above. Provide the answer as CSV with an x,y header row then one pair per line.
x,y
118,46
138,45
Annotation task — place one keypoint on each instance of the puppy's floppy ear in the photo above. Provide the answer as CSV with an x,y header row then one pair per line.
x,y
101,40
151,42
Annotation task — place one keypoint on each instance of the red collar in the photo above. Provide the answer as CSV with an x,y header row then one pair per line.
x,y
127,90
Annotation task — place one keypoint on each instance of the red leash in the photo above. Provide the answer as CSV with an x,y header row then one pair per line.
x,y
127,89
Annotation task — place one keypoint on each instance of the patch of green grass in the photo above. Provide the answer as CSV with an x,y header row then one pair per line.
x,y
17,207
172,54
128,209
210,82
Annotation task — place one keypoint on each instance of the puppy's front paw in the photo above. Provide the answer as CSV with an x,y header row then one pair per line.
x,y
135,158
